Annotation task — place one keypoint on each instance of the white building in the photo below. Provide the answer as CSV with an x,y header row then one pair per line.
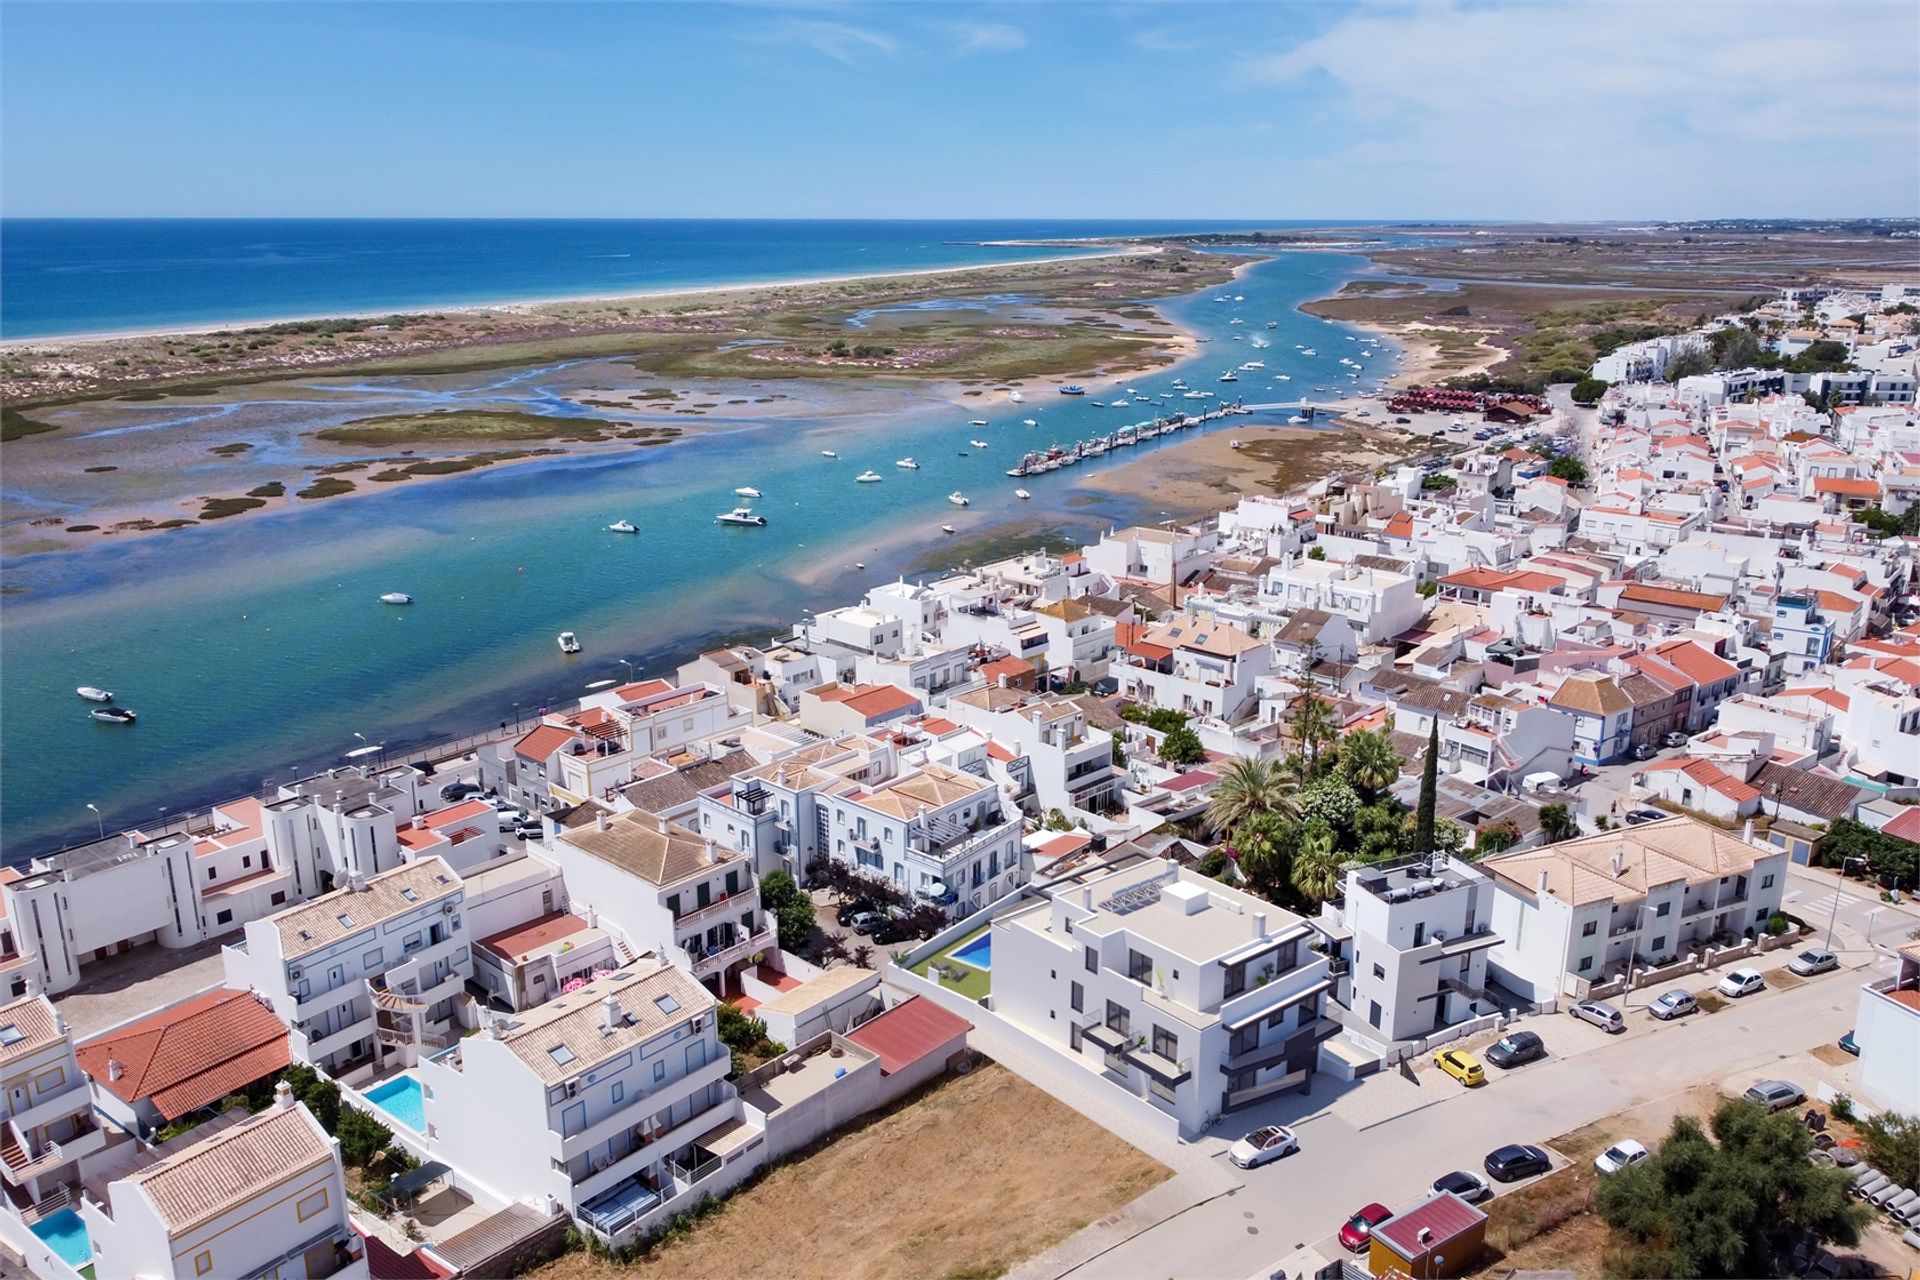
x,y
46,1110
1378,602
1888,1033
1191,995
366,972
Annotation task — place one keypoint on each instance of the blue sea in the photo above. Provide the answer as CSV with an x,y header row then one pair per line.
x,y
86,275
256,650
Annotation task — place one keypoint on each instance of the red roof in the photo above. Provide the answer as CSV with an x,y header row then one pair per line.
x,y
191,1055
543,742
522,940
384,1262
1011,668
909,1032
1905,826
1191,779
1845,487
1446,1217
876,700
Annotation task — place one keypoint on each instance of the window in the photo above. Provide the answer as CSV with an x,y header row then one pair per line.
x,y
279,897
659,1071
1093,960
246,859
1585,964
1663,908
1380,972
213,873
1373,1013
1590,928
1166,1044
673,904
373,960
666,1004
312,1204
1076,997
1659,945
203,1262
1119,1018
1766,882
560,1054
223,917
1139,966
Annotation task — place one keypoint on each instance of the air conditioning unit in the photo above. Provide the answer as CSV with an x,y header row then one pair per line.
x,y
573,1087
295,974
700,1023
446,908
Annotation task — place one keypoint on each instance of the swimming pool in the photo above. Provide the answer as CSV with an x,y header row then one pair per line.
x,y
978,952
400,1098
66,1235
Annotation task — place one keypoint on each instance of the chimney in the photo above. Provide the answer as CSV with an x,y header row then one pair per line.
x,y
710,855
1746,832
419,822
282,1095
114,1069
599,819
494,1027
1619,862
1259,924
1086,898
610,1015
356,882
1426,1236
1541,884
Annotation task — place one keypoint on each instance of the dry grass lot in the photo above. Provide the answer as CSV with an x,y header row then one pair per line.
x,y
966,1180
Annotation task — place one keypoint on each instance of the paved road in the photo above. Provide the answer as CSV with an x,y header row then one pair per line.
x,y
1293,1205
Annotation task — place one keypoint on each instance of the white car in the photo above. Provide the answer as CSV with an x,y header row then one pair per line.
x,y
1263,1145
1620,1155
1741,982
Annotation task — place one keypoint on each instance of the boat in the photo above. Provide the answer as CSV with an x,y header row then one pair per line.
x,y
828,453
1296,420
623,526
945,528
1254,364
746,491
958,499
1022,494
396,597
1239,297
1236,320
1283,377
907,464
868,477
1029,422
1015,396
976,422
1229,376
1073,389
569,642
1307,351
978,444
113,715
1233,444
1273,324
1118,404
92,694
742,516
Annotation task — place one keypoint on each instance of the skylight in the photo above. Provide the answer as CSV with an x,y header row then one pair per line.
x,y
345,919
11,1034
666,1004
560,1054
410,895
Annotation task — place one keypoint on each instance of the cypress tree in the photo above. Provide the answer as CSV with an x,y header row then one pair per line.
x,y
1429,788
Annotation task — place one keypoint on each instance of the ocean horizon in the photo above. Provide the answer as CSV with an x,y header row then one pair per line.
x,y
68,277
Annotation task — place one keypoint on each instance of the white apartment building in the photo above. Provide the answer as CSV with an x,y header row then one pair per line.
x,y
1213,671
1888,1033
1410,943
1498,742
611,1102
1378,602
1071,767
1645,361
858,628
365,973
1158,556
265,1198
1189,994
1583,911
47,1125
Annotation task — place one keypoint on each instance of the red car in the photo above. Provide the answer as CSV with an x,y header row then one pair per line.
x,y
1358,1231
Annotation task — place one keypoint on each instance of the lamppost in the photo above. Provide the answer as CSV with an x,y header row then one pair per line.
x,y
632,675
1834,918
99,821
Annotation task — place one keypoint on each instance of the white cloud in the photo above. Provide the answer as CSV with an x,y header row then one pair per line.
x,y
985,37
843,42
1584,107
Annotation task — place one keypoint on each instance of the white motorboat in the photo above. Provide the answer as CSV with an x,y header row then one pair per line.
x,y
976,422
1239,297
1296,420
623,526
868,477
396,597
958,499
1029,422
1283,377
1254,364
1233,444
1118,404
568,642
742,516
907,464
1308,351
978,444
113,715
1099,404
828,453
1229,376
1236,320
92,694
945,528
1015,396
1022,494
1273,324
746,491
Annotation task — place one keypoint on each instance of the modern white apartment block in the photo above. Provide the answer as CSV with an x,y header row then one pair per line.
x,y
1212,672
1189,994
1585,910
366,973
610,1102
1410,940
1071,766
48,1125
1378,602
265,1198
1887,1030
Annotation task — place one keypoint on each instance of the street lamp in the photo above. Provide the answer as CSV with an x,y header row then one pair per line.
x,y
163,819
99,822
632,675
1834,919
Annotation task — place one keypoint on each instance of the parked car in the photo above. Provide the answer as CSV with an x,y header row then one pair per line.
x,y
1674,739
1263,1145
1620,1155
1808,963
1600,1014
458,790
510,820
1644,751
864,922
1515,1048
1673,1004
847,914
1470,1187
1516,1161
1637,816
1776,1095
1851,1045
1358,1230
1741,982
1461,1065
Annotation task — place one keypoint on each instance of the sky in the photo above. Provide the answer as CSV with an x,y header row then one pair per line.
x,y
1498,111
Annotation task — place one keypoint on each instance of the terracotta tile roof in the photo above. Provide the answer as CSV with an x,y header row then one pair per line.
x,y
1219,638
1905,825
343,913
682,786
909,1032
233,1167
643,689
32,1017
1809,792
186,1057
1701,665
1012,668
881,700
1592,692
1709,775
1653,853
650,847
1845,487
541,743
649,1000
1646,593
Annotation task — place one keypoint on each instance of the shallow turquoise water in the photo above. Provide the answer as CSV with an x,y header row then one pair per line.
x,y
978,953
401,1098
66,1235
256,649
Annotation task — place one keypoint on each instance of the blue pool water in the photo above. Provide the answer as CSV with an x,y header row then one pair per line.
x,y
400,1098
66,1235
978,953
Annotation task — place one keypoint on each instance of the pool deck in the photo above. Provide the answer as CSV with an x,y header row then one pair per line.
x,y
971,982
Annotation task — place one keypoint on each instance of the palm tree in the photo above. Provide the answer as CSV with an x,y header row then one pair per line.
x,y
1264,845
1313,725
1316,862
1370,761
1246,788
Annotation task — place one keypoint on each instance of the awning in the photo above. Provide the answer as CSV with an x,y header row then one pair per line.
x,y
408,1184
1292,1000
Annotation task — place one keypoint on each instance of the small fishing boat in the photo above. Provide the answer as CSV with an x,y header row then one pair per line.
x,y
623,526
1073,389
396,597
1283,377
1273,324
828,453
746,491
1021,494
1308,351
1296,420
92,694
978,444
1118,404
742,516
868,477
1097,404
568,642
1254,364
1029,422
907,464
113,715
945,528
958,499
976,422
1015,396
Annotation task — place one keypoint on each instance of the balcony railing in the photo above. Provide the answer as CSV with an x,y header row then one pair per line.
x,y
347,1250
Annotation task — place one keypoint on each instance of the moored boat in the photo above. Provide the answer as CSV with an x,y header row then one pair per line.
x,y
828,453
568,642
978,444
742,516
958,499
396,597
868,477
92,694
113,715
746,491
907,464
623,526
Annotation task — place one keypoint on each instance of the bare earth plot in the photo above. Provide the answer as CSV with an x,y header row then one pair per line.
x,y
967,1180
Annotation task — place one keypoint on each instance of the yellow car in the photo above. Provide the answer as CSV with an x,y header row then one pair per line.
x,y
1462,1066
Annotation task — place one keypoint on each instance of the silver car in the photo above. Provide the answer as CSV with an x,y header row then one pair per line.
x,y
1600,1014
1776,1095
1808,963
1673,1004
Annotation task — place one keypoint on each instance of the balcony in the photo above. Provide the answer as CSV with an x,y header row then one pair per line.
x,y
747,899
1165,1070
69,1103
21,1163
708,961
296,1262
637,1116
